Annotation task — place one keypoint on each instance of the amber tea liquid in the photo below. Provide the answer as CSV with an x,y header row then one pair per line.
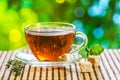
x,y
49,44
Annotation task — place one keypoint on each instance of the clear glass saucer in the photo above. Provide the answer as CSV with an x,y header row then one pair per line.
x,y
25,55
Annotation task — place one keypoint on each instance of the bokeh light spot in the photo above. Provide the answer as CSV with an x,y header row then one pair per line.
x,y
26,3
98,32
105,43
98,8
3,5
85,2
117,6
15,35
104,4
96,11
79,12
116,18
60,1
79,25
28,15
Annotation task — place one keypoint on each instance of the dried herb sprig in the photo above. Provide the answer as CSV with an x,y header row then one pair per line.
x,y
16,66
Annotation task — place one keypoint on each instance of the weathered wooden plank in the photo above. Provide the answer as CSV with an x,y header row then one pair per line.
x,y
2,59
111,63
43,77
103,69
107,66
31,73
92,74
98,74
25,74
11,75
37,73
3,66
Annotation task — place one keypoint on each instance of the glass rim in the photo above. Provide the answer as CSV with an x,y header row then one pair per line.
x,y
72,26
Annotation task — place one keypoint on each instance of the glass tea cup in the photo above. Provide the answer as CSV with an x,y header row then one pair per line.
x,y
49,40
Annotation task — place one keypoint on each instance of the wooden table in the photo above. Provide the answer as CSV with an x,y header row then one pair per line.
x,y
109,69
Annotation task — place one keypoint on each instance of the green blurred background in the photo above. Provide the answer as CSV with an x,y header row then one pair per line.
x,y
98,19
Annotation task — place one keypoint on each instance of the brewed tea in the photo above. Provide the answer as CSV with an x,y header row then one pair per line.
x,y
49,44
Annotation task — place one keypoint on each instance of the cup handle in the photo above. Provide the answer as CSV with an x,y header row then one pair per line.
x,y
80,42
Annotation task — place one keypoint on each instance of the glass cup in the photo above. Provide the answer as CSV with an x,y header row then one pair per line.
x,y
50,40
